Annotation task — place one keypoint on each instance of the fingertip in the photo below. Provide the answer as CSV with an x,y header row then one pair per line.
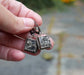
x,y
22,25
16,55
36,17
28,22
19,56
52,44
39,20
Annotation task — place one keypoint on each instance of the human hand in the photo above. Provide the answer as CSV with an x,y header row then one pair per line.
x,y
15,19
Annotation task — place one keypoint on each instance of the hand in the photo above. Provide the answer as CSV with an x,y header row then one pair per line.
x,y
15,19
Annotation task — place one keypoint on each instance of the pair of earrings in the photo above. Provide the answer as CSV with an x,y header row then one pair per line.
x,y
36,41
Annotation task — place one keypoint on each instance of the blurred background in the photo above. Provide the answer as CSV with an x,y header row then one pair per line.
x,y
63,20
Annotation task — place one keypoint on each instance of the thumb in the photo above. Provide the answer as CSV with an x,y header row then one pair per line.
x,y
12,24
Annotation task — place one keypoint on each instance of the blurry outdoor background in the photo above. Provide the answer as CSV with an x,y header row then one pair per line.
x,y
63,20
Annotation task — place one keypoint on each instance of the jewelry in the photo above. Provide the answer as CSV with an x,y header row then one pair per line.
x,y
37,41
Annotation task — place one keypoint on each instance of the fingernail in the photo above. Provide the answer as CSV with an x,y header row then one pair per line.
x,y
28,22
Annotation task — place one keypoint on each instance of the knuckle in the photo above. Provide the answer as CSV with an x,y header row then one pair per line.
x,y
15,27
18,26
5,3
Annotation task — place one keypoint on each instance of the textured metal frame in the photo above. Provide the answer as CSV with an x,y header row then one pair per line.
x,y
31,45
41,42
44,42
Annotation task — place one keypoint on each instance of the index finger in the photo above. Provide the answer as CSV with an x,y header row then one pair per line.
x,y
20,10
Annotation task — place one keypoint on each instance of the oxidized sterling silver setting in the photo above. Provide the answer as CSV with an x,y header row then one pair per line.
x,y
31,45
37,42
43,42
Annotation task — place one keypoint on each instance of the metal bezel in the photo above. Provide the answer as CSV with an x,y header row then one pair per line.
x,y
33,45
43,45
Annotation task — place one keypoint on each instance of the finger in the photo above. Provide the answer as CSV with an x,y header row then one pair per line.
x,y
10,54
14,42
18,9
52,44
11,41
12,24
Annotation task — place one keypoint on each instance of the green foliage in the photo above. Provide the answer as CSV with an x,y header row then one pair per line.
x,y
38,4
82,0
44,5
59,4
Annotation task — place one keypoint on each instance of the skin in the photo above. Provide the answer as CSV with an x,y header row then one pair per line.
x,y
15,19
